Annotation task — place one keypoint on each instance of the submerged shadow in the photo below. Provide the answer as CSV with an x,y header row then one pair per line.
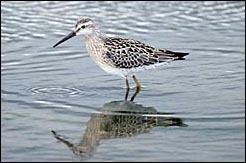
x,y
119,119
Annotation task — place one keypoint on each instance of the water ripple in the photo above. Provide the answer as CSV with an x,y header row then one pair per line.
x,y
56,90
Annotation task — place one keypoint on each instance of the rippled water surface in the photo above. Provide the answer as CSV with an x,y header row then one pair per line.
x,y
58,105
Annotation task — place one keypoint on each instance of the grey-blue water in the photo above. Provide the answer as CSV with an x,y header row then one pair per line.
x,y
58,105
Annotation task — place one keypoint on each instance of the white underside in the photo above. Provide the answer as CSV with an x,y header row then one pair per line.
x,y
127,72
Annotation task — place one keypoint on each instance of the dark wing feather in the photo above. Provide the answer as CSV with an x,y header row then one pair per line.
x,y
126,53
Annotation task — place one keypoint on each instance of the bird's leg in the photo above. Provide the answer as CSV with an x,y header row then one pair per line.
x,y
127,89
138,87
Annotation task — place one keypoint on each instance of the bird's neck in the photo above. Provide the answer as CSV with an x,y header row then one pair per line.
x,y
94,39
94,44
96,35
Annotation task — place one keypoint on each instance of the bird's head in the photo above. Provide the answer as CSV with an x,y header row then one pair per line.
x,y
84,26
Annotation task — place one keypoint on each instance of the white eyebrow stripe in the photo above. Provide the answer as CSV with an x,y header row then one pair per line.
x,y
85,24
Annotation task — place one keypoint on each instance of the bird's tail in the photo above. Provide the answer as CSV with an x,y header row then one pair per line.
x,y
179,55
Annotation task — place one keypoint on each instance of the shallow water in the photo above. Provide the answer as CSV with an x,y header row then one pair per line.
x,y
190,110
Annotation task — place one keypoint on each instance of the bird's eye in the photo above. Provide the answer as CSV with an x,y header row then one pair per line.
x,y
83,26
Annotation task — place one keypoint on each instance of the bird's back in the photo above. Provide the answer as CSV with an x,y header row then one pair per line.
x,y
128,53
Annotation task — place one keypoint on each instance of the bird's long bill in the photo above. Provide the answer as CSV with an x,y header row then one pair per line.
x,y
70,35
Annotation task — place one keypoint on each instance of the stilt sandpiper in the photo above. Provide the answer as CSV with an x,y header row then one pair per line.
x,y
120,56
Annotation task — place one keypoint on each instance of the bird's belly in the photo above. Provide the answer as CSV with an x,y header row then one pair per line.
x,y
97,55
123,72
129,71
112,70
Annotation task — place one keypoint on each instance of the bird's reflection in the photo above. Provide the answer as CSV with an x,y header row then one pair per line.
x,y
119,119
